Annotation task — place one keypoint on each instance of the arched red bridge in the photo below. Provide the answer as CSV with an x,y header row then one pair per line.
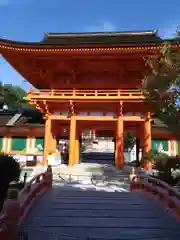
x,y
150,209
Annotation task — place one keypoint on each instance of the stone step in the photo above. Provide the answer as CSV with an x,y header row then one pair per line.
x,y
89,181
96,201
76,192
70,213
91,174
96,207
91,222
91,168
66,176
90,213
109,188
116,233
82,210
95,197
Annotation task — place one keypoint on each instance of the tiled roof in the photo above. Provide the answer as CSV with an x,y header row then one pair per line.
x,y
30,117
27,117
101,39
5,116
126,37
158,123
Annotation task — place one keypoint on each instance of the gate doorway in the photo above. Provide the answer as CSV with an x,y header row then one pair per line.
x,y
98,147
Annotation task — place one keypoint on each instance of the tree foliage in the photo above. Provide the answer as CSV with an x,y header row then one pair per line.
x,y
13,96
162,85
129,140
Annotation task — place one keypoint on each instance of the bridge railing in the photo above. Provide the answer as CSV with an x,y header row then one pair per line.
x,y
167,195
16,206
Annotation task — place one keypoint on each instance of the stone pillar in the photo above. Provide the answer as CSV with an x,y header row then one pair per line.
x,y
119,156
49,139
72,140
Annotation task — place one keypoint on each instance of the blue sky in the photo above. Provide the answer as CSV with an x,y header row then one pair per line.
x,y
27,20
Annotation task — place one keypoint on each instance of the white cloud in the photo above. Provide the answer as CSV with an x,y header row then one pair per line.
x,y
169,30
102,26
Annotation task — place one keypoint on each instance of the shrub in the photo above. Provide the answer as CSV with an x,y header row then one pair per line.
x,y
12,193
160,161
164,164
9,171
149,156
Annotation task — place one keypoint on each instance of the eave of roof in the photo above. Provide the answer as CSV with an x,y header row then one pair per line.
x,y
99,34
30,125
37,115
60,40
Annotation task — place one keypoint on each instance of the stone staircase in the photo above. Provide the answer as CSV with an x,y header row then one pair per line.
x,y
86,170
103,157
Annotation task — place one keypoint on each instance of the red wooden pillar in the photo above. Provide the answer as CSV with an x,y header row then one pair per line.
x,y
146,143
72,140
119,158
147,136
77,148
94,134
50,140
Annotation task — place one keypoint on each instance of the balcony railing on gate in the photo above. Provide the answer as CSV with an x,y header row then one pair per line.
x,y
119,93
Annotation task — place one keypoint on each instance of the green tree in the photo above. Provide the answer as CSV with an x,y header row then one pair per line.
x,y
162,85
13,96
129,140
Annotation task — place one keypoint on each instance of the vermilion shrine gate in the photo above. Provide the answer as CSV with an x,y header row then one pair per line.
x,y
88,80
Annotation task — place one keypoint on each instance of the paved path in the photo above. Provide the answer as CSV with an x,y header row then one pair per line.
x,y
83,211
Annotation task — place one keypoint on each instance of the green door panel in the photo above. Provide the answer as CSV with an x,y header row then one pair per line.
x,y
159,143
18,143
39,143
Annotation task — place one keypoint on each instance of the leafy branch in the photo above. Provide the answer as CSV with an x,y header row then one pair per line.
x,y
162,85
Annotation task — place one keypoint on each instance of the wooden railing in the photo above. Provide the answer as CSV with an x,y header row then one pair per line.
x,y
14,210
167,195
114,94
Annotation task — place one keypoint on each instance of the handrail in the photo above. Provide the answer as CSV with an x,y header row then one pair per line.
x,y
14,210
162,191
161,184
85,90
87,93
164,185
